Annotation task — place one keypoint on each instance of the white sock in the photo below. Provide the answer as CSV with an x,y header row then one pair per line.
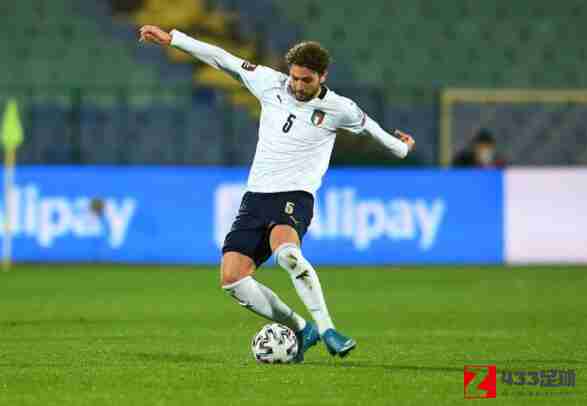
x,y
306,282
263,301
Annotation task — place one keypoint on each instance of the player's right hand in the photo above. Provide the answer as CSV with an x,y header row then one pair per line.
x,y
154,34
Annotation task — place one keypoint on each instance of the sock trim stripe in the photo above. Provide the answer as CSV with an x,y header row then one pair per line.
x,y
232,285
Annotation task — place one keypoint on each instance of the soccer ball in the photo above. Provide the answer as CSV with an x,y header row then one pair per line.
x,y
275,344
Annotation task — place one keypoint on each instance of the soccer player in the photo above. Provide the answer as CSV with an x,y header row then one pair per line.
x,y
299,120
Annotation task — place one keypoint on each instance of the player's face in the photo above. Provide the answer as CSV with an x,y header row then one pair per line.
x,y
305,83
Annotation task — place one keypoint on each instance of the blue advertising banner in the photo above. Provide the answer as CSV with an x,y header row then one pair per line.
x,y
180,215
403,217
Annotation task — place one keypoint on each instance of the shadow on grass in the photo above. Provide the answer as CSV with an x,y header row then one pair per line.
x,y
176,358
526,362
45,339
77,320
385,367
25,365
392,367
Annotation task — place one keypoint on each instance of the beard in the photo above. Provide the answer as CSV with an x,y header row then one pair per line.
x,y
302,96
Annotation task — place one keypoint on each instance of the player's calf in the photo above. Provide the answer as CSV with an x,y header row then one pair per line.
x,y
254,296
305,280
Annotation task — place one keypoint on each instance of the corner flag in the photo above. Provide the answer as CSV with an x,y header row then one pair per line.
x,y
11,127
12,137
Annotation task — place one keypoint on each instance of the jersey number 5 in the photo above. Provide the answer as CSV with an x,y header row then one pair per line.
x,y
289,123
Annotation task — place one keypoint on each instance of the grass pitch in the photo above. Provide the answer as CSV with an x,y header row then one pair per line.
x,y
116,335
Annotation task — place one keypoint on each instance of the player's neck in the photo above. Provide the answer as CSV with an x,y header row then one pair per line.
x,y
317,93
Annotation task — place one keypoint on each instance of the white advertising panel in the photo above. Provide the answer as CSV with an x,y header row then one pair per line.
x,y
545,215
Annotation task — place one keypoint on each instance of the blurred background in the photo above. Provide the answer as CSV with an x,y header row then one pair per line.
x,y
92,95
493,84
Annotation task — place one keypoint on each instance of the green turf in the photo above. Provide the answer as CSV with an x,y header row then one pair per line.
x,y
115,335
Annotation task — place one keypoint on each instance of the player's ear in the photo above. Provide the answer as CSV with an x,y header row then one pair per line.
x,y
323,77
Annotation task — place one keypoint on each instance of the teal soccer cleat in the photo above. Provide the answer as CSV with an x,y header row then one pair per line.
x,y
307,337
337,344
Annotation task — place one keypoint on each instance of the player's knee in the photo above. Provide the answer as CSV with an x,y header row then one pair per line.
x,y
289,256
235,268
230,276
232,286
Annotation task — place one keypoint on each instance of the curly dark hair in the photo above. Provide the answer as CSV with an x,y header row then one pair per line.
x,y
309,54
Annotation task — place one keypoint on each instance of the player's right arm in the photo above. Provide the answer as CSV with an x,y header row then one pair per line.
x,y
253,77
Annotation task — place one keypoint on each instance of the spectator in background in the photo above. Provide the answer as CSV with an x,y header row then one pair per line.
x,y
480,153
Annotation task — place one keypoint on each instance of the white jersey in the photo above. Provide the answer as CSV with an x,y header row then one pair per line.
x,y
295,138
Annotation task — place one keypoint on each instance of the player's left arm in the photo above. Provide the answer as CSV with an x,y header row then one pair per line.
x,y
399,142
356,121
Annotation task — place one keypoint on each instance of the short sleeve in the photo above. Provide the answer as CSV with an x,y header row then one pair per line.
x,y
258,78
353,118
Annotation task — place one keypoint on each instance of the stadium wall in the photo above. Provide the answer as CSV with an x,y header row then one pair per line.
x,y
179,215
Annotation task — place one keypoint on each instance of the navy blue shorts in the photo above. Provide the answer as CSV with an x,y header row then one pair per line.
x,y
259,213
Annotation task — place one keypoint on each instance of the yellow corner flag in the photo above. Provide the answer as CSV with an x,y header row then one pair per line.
x,y
11,139
11,127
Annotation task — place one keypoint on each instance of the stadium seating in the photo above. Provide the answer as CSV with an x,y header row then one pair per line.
x,y
88,93
87,89
404,43
52,43
412,48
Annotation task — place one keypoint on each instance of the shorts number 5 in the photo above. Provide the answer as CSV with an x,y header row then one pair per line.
x,y
289,208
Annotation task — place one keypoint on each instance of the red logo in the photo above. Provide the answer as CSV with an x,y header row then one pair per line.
x,y
480,381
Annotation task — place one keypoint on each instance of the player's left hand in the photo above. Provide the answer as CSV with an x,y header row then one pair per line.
x,y
406,139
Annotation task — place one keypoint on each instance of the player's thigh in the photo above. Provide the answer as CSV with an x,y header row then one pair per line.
x,y
291,216
283,234
234,267
248,238
240,252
